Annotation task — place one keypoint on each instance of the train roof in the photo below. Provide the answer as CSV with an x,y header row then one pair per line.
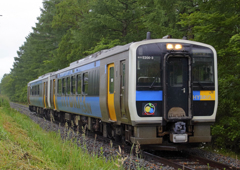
x,y
96,56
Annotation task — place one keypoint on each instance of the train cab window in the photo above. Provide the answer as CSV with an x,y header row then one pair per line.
x,y
203,70
68,85
85,83
73,84
176,72
63,86
59,90
79,84
148,72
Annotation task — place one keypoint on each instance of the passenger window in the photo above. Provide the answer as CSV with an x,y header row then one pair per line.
x,y
68,85
73,84
85,83
63,86
79,84
59,86
111,80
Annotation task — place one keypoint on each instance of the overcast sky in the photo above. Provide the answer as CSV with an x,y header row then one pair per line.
x,y
18,18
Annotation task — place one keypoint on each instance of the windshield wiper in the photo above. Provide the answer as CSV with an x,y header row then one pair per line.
x,y
153,83
200,84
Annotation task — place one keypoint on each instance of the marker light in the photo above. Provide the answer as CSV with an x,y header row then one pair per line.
x,y
169,46
178,46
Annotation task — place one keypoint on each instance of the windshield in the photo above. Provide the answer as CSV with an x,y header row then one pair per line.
x,y
148,71
202,70
202,65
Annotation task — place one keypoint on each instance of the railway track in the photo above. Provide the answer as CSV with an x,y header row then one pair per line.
x,y
176,160
188,162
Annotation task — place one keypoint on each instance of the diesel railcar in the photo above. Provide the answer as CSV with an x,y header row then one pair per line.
x,y
151,92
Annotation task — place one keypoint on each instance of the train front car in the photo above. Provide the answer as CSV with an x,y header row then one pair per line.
x,y
172,91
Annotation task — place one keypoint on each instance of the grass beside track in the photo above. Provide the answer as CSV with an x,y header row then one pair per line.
x,y
24,145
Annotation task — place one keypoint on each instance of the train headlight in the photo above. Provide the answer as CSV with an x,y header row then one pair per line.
x,y
178,47
169,46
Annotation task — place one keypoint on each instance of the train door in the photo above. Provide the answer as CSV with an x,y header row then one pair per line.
x,y
51,94
44,94
111,92
177,84
48,92
54,91
122,89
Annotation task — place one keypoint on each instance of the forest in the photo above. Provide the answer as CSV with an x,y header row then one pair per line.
x,y
68,30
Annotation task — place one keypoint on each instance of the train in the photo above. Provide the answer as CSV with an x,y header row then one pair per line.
x,y
154,92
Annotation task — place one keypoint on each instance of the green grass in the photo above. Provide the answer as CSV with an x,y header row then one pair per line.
x,y
25,145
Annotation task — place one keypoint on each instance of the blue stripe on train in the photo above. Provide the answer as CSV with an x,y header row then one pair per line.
x,y
73,104
149,95
79,69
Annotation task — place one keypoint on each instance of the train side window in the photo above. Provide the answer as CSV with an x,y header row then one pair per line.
x,y
85,83
73,84
59,86
34,90
63,86
68,85
79,84
111,80
38,89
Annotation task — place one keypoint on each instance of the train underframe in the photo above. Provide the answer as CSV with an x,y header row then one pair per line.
x,y
148,136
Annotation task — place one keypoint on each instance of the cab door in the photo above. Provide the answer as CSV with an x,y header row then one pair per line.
x,y
111,92
178,88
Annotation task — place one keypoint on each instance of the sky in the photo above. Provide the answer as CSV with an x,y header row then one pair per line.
x,y
18,18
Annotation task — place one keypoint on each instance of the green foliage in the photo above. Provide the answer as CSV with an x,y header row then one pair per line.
x,y
103,44
4,102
